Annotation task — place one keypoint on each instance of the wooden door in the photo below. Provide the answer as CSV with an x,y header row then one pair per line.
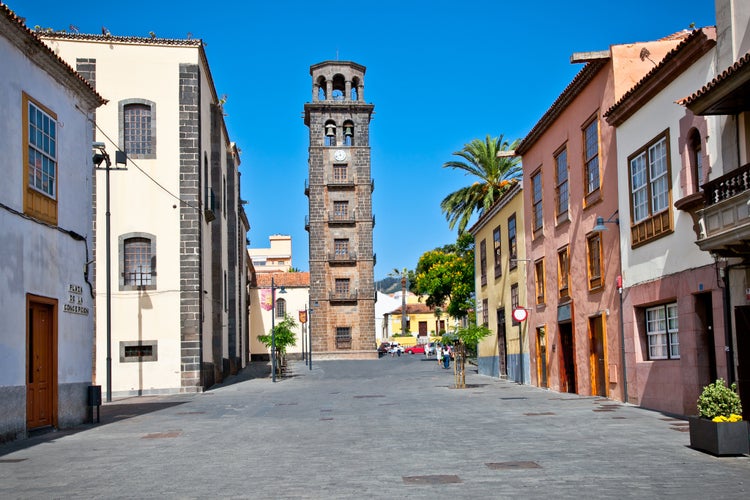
x,y
567,353
502,344
41,380
541,356
742,322
422,328
598,357
706,352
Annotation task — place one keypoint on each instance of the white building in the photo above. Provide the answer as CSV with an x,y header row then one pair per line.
x,y
177,229
384,305
46,297
292,293
274,259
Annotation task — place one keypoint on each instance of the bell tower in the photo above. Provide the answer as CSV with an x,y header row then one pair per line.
x,y
340,221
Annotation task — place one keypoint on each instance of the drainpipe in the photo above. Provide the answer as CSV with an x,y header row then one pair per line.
x,y
727,296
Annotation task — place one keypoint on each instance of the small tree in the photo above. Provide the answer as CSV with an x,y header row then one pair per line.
x,y
283,337
467,340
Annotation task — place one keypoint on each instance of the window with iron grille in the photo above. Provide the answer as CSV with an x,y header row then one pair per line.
x,y
485,312
483,261
512,248
591,156
536,200
137,129
561,188
137,261
342,286
343,337
662,329
496,244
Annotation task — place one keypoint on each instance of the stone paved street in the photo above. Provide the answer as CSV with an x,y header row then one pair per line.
x,y
360,429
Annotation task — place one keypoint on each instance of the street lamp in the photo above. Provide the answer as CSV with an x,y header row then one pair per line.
x,y
101,156
273,327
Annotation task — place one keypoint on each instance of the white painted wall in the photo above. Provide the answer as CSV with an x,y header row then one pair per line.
x,y
677,251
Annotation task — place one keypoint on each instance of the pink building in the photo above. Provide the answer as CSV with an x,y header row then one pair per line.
x,y
570,180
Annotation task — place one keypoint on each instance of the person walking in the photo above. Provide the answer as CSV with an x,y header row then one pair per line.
x,y
446,357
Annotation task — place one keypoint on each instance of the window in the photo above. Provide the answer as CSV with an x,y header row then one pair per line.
x,y
594,251
40,152
561,184
343,337
496,244
135,351
536,200
591,156
514,299
138,128
137,261
340,249
663,332
696,159
280,309
563,272
539,278
340,173
341,210
512,241
650,191
485,312
483,261
342,286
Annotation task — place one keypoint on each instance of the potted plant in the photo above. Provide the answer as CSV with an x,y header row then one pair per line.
x,y
719,428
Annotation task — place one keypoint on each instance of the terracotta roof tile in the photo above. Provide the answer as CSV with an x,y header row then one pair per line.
x,y
20,24
125,39
418,308
287,279
726,74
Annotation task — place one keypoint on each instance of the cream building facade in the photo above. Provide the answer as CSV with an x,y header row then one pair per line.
x,y
278,257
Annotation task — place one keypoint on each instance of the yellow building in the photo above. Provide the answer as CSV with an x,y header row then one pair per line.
x,y
421,321
500,270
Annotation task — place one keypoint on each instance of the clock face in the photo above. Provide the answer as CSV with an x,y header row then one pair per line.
x,y
339,155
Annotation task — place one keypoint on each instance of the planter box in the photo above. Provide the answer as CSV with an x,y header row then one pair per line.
x,y
719,438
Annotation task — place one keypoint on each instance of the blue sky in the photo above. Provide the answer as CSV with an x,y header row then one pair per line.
x,y
440,73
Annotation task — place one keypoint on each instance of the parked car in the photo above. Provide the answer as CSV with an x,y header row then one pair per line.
x,y
415,349
383,348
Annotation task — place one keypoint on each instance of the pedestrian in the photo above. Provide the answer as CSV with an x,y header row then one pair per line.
x,y
439,355
446,357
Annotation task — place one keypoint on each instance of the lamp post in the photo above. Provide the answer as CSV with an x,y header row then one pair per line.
x,y
273,330
101,156
598,228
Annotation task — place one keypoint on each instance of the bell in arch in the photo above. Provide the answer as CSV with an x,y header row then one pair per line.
x,y
330,130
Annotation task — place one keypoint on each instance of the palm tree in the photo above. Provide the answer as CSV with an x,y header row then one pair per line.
x,y
496,174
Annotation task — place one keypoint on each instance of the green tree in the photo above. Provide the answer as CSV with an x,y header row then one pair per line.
x,y
446,276
284,335
495,175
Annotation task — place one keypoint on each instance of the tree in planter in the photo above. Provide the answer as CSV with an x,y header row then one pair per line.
x,y
720,403
719,428
284,337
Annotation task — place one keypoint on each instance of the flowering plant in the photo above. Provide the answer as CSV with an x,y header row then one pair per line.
x,y
720,403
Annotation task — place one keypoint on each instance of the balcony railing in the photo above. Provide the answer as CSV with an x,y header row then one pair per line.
x,y
342,258
307,223
728,185
350,296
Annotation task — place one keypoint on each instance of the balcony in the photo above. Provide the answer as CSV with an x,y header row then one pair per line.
x,y
340,297
724,222
337,182
342,258
345,218
307,187
307,223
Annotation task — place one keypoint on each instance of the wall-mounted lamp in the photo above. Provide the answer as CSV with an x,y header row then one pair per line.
x,y
600,222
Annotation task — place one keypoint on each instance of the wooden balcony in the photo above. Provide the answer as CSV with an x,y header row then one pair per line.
x,y
725,221
350,296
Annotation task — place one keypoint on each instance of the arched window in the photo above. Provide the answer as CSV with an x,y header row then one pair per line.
x,y
696,158
339,88
330,131
137,261
355,92
280,309
349,133
321,88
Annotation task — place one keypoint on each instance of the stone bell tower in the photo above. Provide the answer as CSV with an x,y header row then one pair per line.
x,y
340,220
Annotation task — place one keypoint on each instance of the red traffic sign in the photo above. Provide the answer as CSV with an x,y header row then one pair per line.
x,y
520,314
